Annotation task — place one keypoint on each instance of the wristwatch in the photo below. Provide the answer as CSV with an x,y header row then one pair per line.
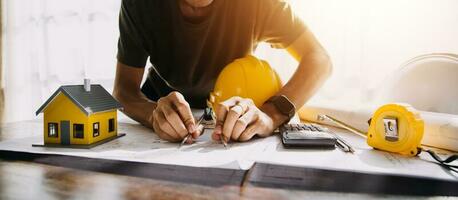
x,y
284,105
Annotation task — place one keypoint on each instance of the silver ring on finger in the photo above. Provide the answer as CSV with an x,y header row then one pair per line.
x,y
242,108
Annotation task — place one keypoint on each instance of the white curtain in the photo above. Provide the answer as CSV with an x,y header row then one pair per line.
x,y
49,43
53,42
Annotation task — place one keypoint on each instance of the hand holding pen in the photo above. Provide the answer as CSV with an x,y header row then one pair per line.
x,y
239,119
188,137
208,118
172,118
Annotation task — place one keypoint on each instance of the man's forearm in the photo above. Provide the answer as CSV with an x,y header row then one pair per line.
x,y
127,92
136,106
314,68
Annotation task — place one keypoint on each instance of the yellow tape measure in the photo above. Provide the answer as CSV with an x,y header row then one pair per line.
x,y
396,128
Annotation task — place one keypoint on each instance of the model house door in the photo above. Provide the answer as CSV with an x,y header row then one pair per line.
x,y
65,132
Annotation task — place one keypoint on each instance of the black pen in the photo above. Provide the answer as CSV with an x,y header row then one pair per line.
x,y
342,144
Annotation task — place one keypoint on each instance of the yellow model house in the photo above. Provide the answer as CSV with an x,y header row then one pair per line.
x,y
79,116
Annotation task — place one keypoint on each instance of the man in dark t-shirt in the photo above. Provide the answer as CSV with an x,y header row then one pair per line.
x,y
188,43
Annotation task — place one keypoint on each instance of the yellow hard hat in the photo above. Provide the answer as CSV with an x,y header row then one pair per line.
x,y
247,77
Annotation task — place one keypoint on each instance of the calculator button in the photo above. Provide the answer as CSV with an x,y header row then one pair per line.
x,y
317,128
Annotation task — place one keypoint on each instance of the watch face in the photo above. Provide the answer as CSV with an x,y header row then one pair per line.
x,y
285,106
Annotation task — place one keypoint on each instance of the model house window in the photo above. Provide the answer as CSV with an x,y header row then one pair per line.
x,y
52,130
111,125
95,129
78,130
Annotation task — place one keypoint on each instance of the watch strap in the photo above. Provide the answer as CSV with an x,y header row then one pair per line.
x,y
283,105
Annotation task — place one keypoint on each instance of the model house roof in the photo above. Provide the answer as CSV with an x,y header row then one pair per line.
x,y
93,101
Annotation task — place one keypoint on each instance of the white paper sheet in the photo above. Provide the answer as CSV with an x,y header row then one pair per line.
x,y
365,159
142,145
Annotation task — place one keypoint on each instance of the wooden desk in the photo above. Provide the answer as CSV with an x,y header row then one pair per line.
x,y
26,180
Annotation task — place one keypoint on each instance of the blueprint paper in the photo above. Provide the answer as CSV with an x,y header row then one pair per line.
x,y
142,145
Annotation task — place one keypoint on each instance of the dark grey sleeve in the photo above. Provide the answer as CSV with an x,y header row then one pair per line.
x,y
131,50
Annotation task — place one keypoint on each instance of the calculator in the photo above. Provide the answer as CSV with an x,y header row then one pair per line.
x,y
304,135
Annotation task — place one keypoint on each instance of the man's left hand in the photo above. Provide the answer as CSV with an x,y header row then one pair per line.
x,y
238,119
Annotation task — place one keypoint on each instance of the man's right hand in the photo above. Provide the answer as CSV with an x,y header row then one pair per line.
x,y
170,116
172,119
